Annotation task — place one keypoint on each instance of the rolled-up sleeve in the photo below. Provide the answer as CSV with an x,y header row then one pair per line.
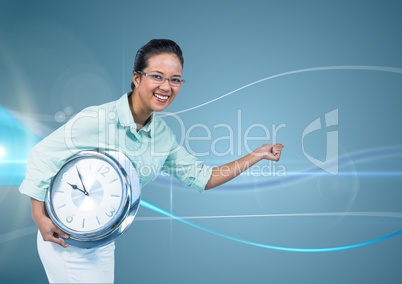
x,y
47,157
187,168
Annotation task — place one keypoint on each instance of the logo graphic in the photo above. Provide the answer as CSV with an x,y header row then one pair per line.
x,y
330,164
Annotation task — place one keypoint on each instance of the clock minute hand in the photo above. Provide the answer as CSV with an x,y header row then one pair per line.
x,y
79,175
76,187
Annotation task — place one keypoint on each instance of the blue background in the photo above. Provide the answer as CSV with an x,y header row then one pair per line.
x,y
59,57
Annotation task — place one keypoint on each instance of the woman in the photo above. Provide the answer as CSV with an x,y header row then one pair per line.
x,y
127,125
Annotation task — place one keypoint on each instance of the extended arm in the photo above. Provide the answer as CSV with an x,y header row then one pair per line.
x,y
225,173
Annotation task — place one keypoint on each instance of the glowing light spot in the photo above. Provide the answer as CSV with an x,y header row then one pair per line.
x,y
2,152
60,116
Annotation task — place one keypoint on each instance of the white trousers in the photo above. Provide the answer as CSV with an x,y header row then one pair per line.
x,y
76,265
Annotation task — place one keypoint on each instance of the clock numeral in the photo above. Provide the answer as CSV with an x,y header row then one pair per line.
x,y
104,171
83,222
97,219
111,212
69,219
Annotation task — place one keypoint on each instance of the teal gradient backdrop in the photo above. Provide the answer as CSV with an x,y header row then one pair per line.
x,y
305,73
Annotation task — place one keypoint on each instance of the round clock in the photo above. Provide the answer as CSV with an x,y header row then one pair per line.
x,y
94,197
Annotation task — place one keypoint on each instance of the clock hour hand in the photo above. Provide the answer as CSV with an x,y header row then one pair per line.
x,y
79,175
76,187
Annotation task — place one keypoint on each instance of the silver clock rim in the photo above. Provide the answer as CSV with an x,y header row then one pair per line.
x,y
98,233
124,216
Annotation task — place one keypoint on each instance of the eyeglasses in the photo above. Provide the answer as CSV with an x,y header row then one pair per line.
x,y
159,79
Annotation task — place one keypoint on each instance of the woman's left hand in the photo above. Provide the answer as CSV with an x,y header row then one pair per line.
x,y
271,151
224,173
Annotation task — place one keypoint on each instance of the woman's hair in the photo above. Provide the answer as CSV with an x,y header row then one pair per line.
x,y
155,47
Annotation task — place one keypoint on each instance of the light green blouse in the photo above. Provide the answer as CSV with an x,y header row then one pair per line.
x,y
111,127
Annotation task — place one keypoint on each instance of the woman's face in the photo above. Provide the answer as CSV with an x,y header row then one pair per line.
x,y
155,96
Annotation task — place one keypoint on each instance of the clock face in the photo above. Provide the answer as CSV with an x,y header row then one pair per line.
x,y
87,194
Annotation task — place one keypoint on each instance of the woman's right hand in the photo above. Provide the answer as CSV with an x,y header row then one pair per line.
x,y
49,231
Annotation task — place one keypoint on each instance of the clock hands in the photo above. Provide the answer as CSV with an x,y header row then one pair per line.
x,y
76,187
79,175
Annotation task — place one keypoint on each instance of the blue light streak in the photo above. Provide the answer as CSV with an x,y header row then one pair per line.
x,y
266,246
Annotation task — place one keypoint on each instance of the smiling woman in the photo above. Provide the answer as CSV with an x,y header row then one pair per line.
x,y
130,126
